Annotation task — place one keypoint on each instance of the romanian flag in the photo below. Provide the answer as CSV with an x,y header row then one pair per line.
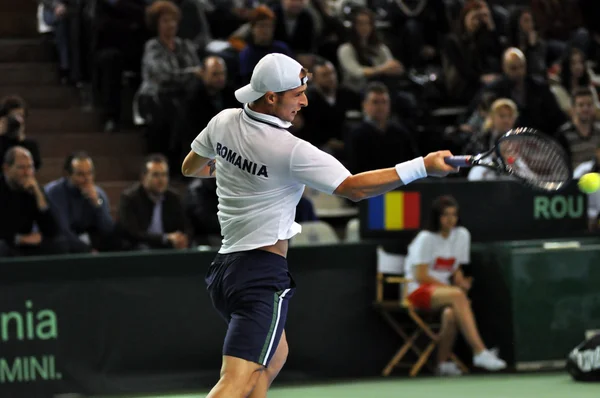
x,y
396,210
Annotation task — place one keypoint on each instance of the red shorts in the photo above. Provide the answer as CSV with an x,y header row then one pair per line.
x,y
421,297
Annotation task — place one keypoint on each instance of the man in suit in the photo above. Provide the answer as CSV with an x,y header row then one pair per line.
x,y
325,120
151,215
81,207
379,141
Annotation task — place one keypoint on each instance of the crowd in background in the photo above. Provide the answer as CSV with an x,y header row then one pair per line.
x,y
390,81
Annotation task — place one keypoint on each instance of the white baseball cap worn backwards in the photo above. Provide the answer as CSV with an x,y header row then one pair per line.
x,y
274,72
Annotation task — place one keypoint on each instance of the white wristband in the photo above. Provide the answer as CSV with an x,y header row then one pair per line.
x,y
411,170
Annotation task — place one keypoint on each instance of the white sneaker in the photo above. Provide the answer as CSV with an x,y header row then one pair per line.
x,y
448,369
489,361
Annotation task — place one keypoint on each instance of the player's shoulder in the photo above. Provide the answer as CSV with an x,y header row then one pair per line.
x,y
228,115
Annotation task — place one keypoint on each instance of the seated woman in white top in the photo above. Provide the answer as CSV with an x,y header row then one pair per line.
x,y
433,265
365,56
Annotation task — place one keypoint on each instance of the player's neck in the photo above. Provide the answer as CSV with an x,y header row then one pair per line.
x,y
260,107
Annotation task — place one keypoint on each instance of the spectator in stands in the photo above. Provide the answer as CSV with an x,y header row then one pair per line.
x,y
82,208
332,34
226,16
64,17
524,36
591,165
171,70
588,37
556,20
471,57
28,226
295,25
325,120
201,207
118,38
260,42
418,24
379,142
537,106
212,95
501,118
574,75
194,24
13,116
476,121
434,265
151,215
581,135
364,57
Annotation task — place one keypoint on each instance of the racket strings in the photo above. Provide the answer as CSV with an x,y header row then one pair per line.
x,y
536,159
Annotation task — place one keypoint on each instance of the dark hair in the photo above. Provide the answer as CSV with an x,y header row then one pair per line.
x,y
78,155
153,158
12,102
157,10
438,206
11,155
261,13
514,25
321,61
363,53
375,87
581,92
565,70
470,5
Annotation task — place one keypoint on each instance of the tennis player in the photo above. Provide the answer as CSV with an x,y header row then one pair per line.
x,y
261,172
434,264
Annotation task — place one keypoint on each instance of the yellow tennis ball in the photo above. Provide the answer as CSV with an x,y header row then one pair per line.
x,y
589,183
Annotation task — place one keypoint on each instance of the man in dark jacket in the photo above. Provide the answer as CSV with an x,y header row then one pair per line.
x,y
151,215
28,226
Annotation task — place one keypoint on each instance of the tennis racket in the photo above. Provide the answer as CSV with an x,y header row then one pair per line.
x,y
531,157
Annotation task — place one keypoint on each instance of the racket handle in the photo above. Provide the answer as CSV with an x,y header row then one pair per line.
x,y
458,161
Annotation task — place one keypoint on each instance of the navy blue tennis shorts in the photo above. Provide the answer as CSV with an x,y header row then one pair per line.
x,y
251,290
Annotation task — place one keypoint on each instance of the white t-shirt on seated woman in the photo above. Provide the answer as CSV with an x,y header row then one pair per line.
x,y
443,255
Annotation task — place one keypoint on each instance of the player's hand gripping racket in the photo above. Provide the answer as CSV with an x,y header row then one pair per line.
x,y
524,153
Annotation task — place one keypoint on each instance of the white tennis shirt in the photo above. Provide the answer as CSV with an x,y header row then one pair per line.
x,y
261,173
442,255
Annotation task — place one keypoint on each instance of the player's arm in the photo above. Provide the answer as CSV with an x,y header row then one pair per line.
x,y
198,166
374,183
422,276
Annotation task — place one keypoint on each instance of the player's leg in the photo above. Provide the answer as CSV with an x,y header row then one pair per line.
x,y
252,339
238,378
266,378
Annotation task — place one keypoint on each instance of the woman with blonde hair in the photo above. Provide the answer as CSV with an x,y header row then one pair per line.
x,y
501,118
